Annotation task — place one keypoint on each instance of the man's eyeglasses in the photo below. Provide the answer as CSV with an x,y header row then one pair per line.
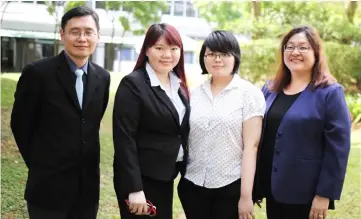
x,y
87,34
302,48
222,55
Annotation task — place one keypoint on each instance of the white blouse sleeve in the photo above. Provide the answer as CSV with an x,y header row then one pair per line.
x,y
255,104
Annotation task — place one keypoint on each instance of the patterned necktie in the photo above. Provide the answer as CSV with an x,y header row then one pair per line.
x,y
79,86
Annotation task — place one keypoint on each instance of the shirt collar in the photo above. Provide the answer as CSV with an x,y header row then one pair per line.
x,y
73,66
154,80
236,82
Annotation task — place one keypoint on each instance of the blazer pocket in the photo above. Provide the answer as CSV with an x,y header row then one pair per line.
x,y
151,145
308,158
311,159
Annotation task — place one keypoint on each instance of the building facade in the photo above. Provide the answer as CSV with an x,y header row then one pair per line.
x,y
28,33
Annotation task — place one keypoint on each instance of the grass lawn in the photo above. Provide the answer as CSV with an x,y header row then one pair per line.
x,y
14,172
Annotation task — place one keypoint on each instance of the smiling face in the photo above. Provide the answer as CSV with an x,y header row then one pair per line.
x,y
218,64
299,56
162,56
80,37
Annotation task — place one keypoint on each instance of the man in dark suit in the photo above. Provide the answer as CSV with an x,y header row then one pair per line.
x,y
59,103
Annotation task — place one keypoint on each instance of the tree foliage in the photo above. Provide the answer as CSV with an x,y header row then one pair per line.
x,y
333,20
53,8
72,4
143,13
135,17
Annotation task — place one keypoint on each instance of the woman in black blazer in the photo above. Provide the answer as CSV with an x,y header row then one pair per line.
x,y
150,126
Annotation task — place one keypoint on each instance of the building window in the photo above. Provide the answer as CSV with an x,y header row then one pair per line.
x,y
127,8
168,9
47,50
178,8
99,4
127,54
190,11
188,57
59,3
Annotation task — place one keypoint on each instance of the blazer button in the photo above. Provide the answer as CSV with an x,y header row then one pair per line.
x,y
179,136
83,142
274,169
83,121
277,152
279,134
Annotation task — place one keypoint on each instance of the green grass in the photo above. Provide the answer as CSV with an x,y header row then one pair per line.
x,y
14,172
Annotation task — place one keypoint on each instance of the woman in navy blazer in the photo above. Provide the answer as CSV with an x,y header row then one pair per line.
x,y
306,133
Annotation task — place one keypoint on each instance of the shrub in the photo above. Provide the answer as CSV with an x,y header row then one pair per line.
x,y
258,60
345,64
354,105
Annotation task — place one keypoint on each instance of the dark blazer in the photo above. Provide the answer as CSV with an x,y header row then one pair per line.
x,y
147,133
58,141
311,147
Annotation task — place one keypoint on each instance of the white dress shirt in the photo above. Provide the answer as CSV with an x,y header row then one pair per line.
x,y
215,138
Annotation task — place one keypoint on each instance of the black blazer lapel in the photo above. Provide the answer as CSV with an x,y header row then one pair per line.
x,y
92,84
65,77
185,101
167,102
161,94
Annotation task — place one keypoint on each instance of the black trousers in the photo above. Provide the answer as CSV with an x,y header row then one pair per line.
x,y
203,203
276,210
160,193
76,212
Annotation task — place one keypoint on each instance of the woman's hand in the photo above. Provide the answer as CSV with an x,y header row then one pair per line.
x,y
319,208
245,208
138,203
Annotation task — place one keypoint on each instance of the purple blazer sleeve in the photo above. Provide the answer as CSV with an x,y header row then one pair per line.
x,y
337,130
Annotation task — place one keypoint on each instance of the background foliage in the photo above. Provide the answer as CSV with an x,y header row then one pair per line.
x,y
338,23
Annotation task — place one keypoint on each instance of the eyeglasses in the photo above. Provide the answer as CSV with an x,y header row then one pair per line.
x,y
302,49
87,34
221,55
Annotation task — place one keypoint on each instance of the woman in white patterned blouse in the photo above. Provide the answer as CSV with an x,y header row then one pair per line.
x,y
225,128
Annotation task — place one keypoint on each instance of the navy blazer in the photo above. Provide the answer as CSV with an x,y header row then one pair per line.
x,y
311,147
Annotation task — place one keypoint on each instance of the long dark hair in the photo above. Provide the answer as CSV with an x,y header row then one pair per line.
x,y
172,37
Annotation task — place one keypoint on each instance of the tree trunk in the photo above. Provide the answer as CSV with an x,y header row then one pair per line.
x,y
109,56
256,9
350,10
56,47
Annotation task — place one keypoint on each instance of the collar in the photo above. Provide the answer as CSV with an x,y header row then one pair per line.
x,y
235,83
154,80
73,66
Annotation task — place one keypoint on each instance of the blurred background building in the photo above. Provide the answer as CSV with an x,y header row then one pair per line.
x,y
29,32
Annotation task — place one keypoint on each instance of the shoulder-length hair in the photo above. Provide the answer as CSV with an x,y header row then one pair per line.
x,y
172,37
320,71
